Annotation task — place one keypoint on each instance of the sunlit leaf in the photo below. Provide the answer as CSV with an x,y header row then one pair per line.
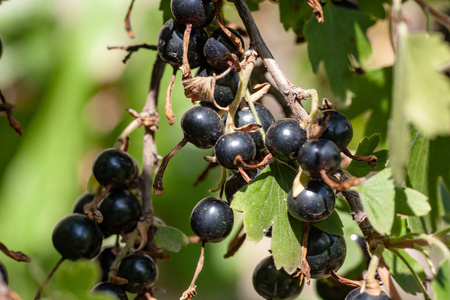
x,y
170,238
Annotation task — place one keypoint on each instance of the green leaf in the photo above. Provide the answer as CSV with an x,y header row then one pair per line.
x,y
440,285
332,224
374,8
164,6
411,202
170,238
263,202
253,4
367,147
77,277
378,199
294,14
401,273
334,41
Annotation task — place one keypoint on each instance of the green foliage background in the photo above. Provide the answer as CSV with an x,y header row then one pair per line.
x,y
63,81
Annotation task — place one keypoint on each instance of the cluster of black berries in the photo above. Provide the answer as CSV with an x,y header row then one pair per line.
x,y
77,236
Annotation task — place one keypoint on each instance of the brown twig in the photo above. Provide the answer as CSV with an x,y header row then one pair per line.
x,y
8,108
127,21
236,41
42,286
191,291
236,242
16,255
204,173
442,18
168,107
132,48
185,68
385,275
357,283
371,160
305,268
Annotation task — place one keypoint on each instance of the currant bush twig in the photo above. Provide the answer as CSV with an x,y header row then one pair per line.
x,y
7,108
16,255
411,269
371,285
191,291
127,20
442,18
385,275
289,91
305,268
236,41
356,283
168,107
132,48
185,68
50,275
255,114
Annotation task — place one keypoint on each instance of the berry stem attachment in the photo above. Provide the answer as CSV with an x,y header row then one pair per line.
x,y
168,107
191,292
305,268
371,286
248,98
185,68
50,275
315,112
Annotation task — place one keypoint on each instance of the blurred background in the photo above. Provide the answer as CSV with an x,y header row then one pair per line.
x,y
71,94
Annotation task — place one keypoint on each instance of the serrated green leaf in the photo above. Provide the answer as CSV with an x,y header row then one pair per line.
x,y
374,7
164,6
411,202
401,273
170,238
367,147
378,199
77,277
440,285
332,224
263,202
294,14
333,41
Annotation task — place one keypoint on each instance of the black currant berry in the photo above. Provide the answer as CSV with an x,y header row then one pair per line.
x,y
199,13
230,145
140,270
273,284
338,129
217,45
225,88
325,252
314,204
317,155
244,116
106,258
284,139
356,294
114,167
235,182
121,211
331,290
212,219
170,44
76,236
111,290
202,126
84,199
3,273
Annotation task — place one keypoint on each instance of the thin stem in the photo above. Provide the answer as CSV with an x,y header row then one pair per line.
x,y
223,180
428,259
251,105
385,275
122,138
127,20
168,107
50,275
413,272
191,291
442,18
371,285
124,251
437,242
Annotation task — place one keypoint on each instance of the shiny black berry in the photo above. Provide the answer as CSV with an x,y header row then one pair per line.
x,y
225,88
273,284
212,219
217,45
110,289
3,273
338,129
84,199
230,145
140,270
236,182
317,155
76,236
202,126
170,44
199,13
106,258
114,167
244,116
121,211
356,294
314,204
325,252
284,139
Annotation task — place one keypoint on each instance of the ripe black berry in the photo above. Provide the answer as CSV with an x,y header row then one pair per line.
x,y
202,126
356,294
199,13
84,199
212,219
331,290
235,182
3,273
284,139
244,116
317,155
121,211
217,45
114,167
338,129
76,236
325,252
111,290
106,258
170,44
140,270
314,204
271,283
225,88
230,145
